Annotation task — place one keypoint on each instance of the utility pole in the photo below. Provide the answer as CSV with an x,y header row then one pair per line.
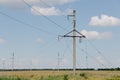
x,y
74,41
74,36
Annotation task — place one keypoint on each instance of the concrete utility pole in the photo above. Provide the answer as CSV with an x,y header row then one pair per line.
x,y
74,41
74,36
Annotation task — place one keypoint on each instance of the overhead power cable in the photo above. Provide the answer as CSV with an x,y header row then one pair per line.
x,y
48,5
45,3
99,52
93,57
22,22
44,16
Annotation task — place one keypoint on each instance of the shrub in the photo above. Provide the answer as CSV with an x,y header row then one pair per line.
x,y
65,77
83,75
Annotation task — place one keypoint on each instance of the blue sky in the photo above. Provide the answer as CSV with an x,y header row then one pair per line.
x,y
98,20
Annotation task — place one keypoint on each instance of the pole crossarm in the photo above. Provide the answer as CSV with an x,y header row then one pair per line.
x,y
74,36
79,36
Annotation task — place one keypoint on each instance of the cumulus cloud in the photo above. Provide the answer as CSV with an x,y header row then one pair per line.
x,y
59,1
45,7
33,2
96,35
106,35
104,20
2,41
45,11
51,11
49,2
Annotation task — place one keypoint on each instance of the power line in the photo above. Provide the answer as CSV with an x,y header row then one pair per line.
x,y
99,52
48,5
22,22
85,50
45,3
45,16
92,57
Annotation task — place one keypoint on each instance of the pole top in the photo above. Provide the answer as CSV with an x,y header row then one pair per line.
x,y
74,11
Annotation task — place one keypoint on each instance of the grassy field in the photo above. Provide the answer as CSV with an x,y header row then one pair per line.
x,y
62,75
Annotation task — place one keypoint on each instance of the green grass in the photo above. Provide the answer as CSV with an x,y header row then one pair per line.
x,y
11,78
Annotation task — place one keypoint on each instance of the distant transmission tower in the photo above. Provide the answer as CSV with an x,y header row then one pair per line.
x,y
13,58
3,63
74,36
58,64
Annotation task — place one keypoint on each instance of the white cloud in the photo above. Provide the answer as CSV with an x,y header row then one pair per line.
x,y
52,11
104,20
59,1
33,2
96,35
106,35
39,40
45,11
67,12
49,2
45,7
2,41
